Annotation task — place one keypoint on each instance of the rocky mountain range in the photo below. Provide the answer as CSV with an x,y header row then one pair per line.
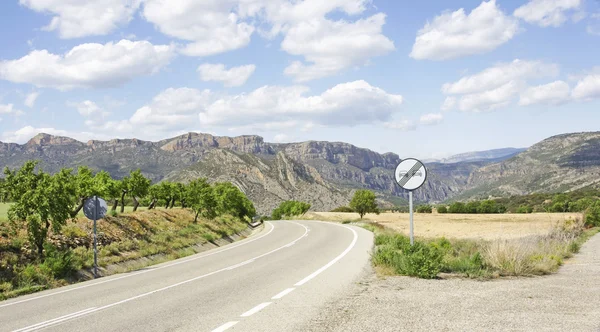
x,y
324,174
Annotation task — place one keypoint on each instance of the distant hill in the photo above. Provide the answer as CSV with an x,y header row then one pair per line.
x,y
558,164
324,174
488,155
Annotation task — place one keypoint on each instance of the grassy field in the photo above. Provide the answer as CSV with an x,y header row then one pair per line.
x,y
460,226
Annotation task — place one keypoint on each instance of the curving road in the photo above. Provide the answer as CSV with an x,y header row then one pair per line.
x,y
273,281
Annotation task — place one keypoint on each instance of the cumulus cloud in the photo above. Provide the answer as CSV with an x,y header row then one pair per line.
x,y
282,138
269,108
235,76
456,34
555,93
331,46
587,88
88,108
26,133
495,87
31,98
547,13
431,119
80,18
211,27
328,46
88,65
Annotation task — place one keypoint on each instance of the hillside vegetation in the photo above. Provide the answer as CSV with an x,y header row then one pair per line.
x,y
43,239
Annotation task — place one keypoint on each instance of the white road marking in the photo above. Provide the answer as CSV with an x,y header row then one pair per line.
x,y
282,294
187,281
239,244
256,309
328,265
54,321
224,327
241,264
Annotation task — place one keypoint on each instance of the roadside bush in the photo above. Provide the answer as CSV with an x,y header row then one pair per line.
x,y
592,215
32,275
289,209
343,209
60,262
420,260
424,209
442,209
73,231
82,258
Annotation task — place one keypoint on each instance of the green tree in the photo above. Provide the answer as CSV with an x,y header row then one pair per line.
x,y
137,187
363,202
442,209
290,208
457,207
154,194
43,201
84,187
124,191
180,192
167,193
487,207
200,196
231,200
114,190
472,207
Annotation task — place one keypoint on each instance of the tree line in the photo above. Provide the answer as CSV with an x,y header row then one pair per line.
x,y
46,201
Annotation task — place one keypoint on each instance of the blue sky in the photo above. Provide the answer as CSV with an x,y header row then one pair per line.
x,y
420,79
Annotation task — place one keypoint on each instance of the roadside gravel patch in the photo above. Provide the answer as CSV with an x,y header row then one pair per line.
x,y
566,301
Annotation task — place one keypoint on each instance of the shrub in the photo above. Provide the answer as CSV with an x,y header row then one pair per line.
x,y
33,275
424,209
457,207
343,209
82,258
60,262
420,260
73,231
592,215
442,209
525,209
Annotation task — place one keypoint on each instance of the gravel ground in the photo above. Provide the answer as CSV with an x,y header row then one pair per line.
x,y
566,301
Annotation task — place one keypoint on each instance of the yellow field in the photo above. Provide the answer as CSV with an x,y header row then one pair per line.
x,y
462,226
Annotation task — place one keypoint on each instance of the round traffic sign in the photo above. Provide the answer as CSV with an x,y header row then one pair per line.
x,y
95,208
411,174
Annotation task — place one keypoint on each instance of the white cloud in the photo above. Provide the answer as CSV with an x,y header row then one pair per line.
x,y
235,76
346,104
547,13
26,133
456,34
587,88
282,138
212,27
431,119
88,65
491,99
10,109
328,47
495,87
501,74
267,108
403,125
80,18
449,104
88,108
555,93
593,30
31,98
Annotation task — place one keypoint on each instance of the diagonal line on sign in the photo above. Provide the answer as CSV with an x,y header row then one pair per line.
x,y
409,174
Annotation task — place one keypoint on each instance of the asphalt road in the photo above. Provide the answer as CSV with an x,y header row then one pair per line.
x,y
276,280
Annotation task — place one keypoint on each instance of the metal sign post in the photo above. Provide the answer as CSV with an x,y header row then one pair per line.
x,y
95,208
411,175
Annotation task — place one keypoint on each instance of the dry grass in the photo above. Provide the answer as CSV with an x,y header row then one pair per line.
x,y
461,226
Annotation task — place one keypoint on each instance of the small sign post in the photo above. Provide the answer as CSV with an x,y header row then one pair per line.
x,y
411,175
95,208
